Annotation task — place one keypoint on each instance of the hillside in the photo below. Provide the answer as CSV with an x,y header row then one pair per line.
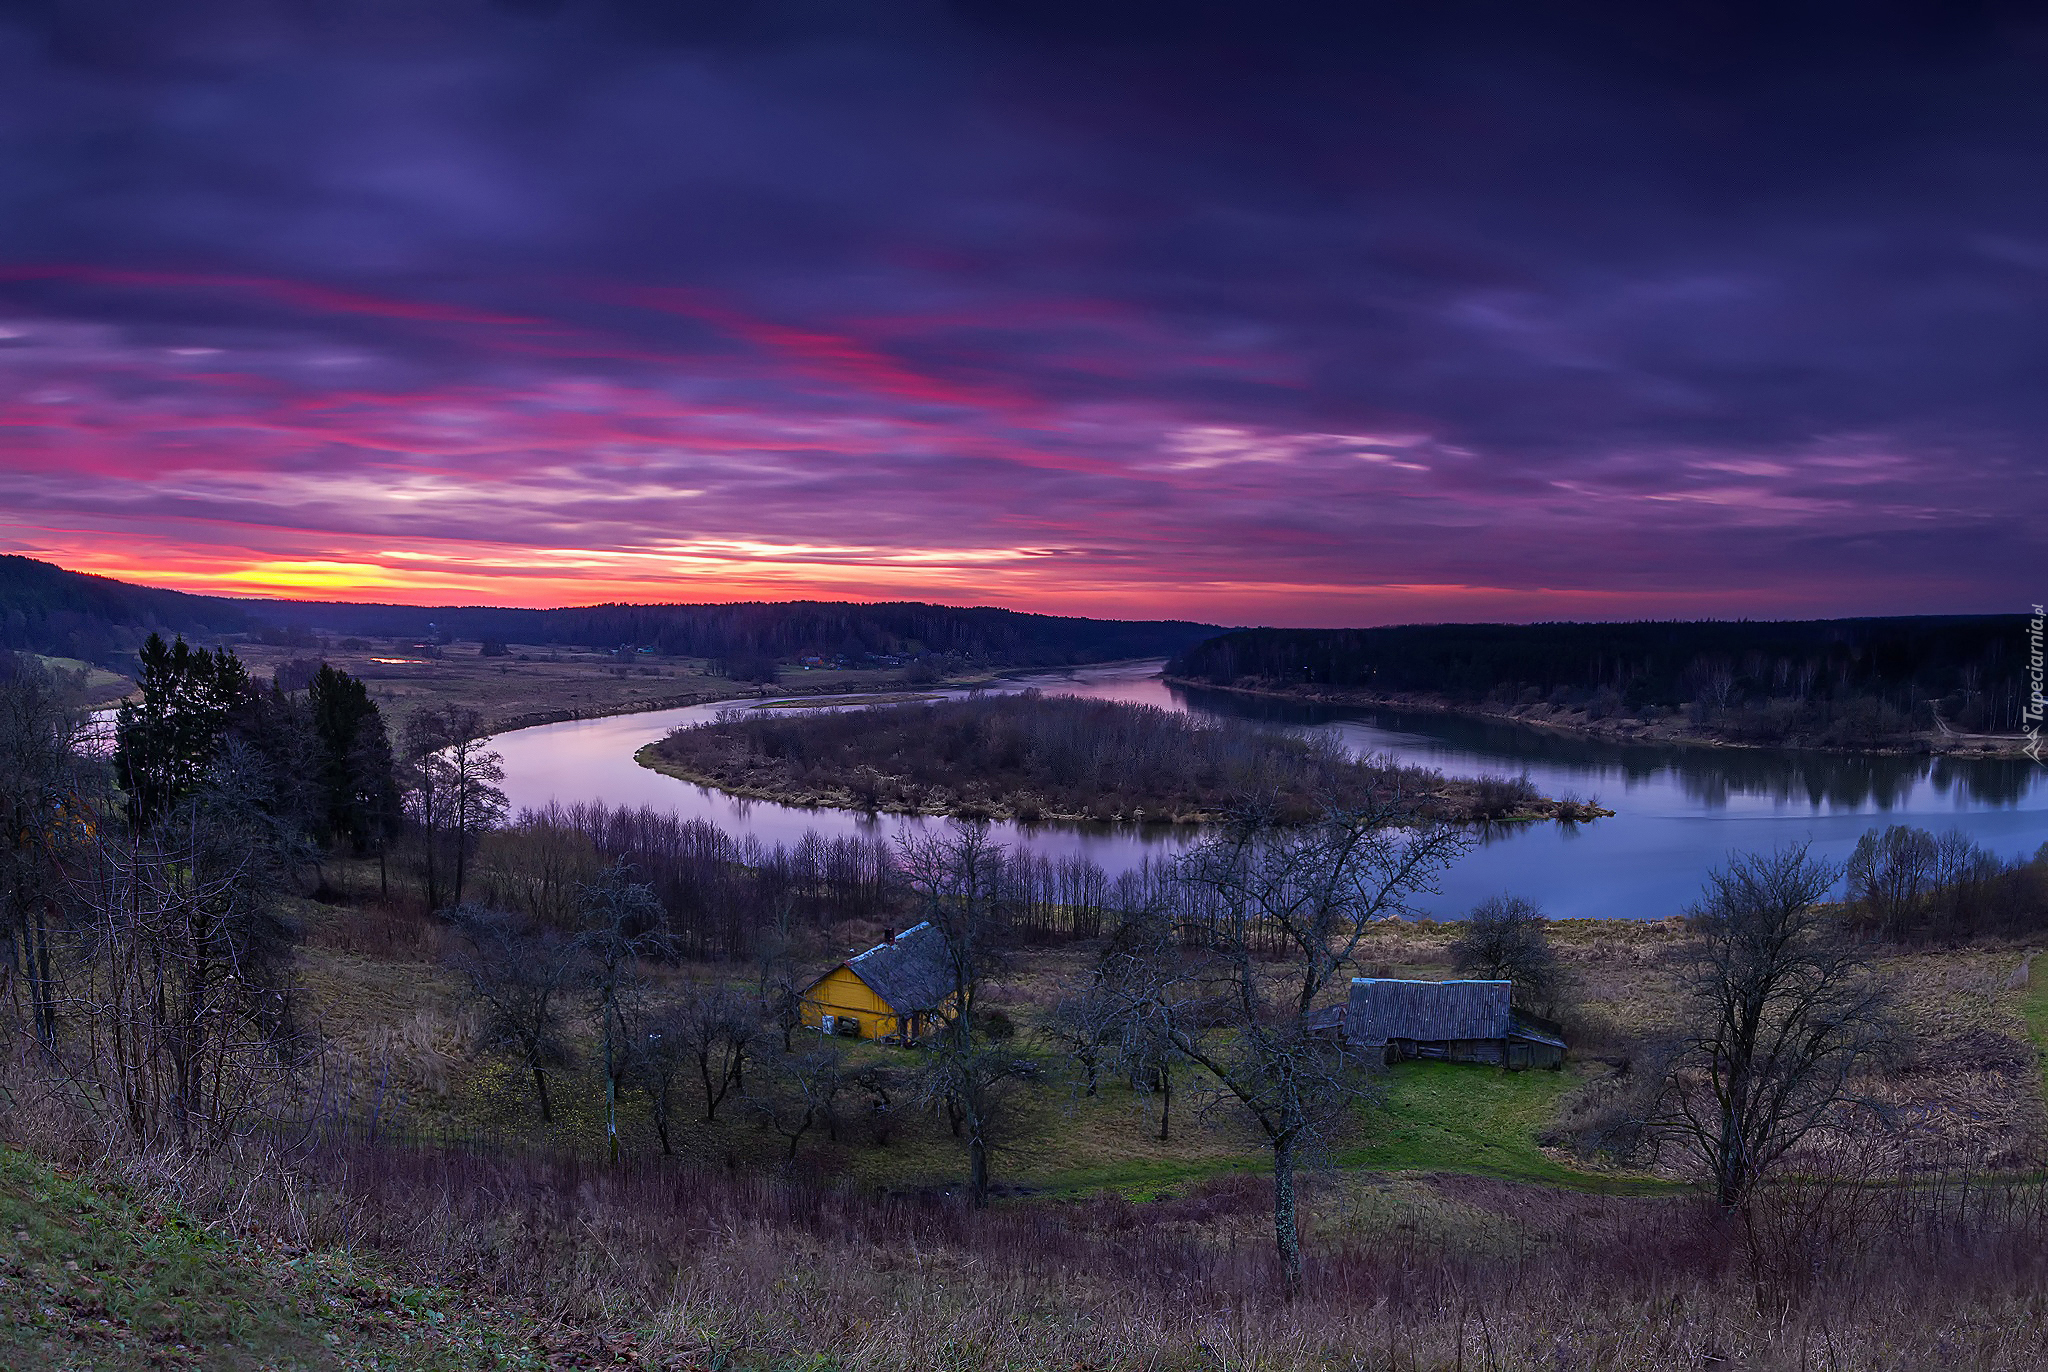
x,y
46,609
98,1276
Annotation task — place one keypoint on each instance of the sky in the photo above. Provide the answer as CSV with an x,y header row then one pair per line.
x,y
1247,313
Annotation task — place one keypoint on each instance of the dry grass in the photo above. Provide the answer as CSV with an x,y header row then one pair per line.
x,y
1114,1251
681,1268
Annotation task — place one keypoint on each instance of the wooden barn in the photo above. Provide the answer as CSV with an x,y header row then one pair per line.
x,y
1451,1021
897,989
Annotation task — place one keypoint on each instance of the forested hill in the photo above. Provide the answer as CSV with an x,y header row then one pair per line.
x,y
774,629
46,609
1969,666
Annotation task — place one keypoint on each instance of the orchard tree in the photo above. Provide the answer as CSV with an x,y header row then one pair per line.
x,y
520,979
1268,917
1506,938
1781,1016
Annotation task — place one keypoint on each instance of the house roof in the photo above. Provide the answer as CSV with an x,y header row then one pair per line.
x,y
913,973
1383,1008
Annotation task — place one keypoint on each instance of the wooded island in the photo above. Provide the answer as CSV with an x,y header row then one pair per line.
x,y
1033,757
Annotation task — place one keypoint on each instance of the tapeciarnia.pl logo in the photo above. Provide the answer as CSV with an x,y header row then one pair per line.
x,y
2031,716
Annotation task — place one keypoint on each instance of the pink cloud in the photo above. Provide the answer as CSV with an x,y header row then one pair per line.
x,y
486,455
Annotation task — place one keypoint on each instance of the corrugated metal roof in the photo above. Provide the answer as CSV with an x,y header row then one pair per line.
x,y
1327,1020
1385,1008
1537,1031
914,974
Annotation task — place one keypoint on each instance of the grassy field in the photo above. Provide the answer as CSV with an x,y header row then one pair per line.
x,y
1969,1098
93,1280
2034,1007
96,685
537,685
532,684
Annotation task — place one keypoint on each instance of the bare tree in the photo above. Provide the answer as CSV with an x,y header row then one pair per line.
x,y
476,803
451,781
1086,1026
424,783
984,1083
1507,938
519,979
624,926
718,1032
1889,875
1781,1014
1269,917
795,1092
956,879
657,1066
1146,1053
778,983
44,803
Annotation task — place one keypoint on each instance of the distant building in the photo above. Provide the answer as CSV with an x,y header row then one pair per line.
x,y
897,989
1450,1021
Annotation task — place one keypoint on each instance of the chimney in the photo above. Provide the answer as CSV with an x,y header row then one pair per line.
x,y
888,936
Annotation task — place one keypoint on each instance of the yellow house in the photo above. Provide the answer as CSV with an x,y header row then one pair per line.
x,y
900,988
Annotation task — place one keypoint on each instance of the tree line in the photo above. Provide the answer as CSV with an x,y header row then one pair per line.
x,y
772,631
1910,884
1843,680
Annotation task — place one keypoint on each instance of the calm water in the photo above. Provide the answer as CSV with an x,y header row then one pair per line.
x,y
1680,810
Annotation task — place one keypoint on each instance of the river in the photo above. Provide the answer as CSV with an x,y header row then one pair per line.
x,y
1680,810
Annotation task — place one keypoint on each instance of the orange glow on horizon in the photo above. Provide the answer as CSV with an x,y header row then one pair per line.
x,y
1019,580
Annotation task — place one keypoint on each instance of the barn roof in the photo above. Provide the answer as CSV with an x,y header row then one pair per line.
x,y
913,972
1385,1008
1328,1020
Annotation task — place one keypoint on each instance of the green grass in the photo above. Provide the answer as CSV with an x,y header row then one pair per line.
x,y
2034,1006
1456,1117
90,1278
1438,1117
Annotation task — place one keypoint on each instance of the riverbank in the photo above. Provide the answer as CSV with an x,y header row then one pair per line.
x,y
1618,728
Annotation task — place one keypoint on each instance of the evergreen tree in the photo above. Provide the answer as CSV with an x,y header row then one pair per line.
x,y
358,785
166,743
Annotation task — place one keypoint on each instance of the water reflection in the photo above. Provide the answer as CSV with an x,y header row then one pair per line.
x,y
1711,776
1682,809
